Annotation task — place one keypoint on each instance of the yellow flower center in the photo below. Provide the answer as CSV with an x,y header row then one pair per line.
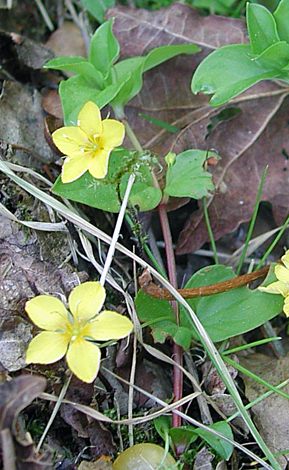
x,y
93,144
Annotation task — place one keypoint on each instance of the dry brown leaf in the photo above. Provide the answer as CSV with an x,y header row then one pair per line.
x,y
101,464
14,397
67,41
271,415
256,137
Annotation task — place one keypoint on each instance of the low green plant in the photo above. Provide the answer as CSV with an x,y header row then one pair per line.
x,y
100,172
233,69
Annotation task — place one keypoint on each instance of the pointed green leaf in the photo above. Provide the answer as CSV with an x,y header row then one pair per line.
x,y
262,27
78,65
76,91
281,15
104,48
163,53
276,56
138,65
98,8
223,448
229,71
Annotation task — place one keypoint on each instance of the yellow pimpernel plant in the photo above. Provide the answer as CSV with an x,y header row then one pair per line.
x,y
72,333
282,285
88,145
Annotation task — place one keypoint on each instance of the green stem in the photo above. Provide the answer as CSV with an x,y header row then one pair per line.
x,y
131,135
253,220
210,232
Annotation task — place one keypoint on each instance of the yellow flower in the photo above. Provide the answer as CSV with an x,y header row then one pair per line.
x,y
87,146
71,333
282,285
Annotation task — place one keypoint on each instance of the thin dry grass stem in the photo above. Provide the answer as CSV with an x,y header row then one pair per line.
x,y
202,402
80,24
54,412
131,390
45,15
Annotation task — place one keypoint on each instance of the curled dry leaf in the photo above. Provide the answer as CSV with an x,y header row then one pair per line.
x,y
257,136
18,449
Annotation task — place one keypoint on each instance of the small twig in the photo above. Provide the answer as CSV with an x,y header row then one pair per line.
x,y
150,288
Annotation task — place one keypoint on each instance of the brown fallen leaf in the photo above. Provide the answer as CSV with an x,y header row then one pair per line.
x,y
246,143
67,41
18,449
271,415
103,463
99,437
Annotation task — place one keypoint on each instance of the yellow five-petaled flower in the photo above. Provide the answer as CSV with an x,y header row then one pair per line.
x,y
72,333
88,145
282,285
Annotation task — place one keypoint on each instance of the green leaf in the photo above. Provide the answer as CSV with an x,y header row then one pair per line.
x,y
182,437
163,425
281,15
104,48
163,53
261,27
76,91
133,69
233,312
78,65
187,177
162,124
229,71
138,65
223,448
276,56
98,8
220,7
160,316
103,193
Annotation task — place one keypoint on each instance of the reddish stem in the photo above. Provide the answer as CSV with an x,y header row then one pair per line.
x,y
177,350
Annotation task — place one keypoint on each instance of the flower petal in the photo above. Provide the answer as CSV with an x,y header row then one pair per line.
x,y
70,140
282,273
276,288
112,134
286,307
75,167
89,119
83,359
285,259
108,325
48,313
86,300
47,347
99,163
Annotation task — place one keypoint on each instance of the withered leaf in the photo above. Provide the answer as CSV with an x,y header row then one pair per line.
x,y
16,443
256,137
17,395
